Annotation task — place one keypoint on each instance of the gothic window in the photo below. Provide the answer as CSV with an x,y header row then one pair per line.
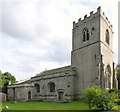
x,y
52,87
108,70
107,36
108,76
37,87
85,34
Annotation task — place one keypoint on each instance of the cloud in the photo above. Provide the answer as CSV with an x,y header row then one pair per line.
x,y
19,20
38,34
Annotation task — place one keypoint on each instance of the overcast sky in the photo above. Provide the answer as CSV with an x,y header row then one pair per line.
x,y
37,34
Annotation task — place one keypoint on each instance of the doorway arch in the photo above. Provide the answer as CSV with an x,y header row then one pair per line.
x,y
29,95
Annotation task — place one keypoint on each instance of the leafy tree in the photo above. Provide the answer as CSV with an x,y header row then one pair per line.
x,y
6,78
118,75
99,98
0,81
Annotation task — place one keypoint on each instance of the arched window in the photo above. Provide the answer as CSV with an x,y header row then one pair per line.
x,y
37,87
52,87
85,34
108,70
107,36
108,76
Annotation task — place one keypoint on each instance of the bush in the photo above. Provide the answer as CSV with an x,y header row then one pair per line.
x,y
113,90
96,97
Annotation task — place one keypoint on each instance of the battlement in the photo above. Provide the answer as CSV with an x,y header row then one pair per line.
x,y
92,15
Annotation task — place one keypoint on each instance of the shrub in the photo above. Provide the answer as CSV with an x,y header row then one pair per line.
x,y
106,101
99,98
113,90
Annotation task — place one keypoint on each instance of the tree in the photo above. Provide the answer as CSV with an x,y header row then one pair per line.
x,y
118,75
6,78
0,81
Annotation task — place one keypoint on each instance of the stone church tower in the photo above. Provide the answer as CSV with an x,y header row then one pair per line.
x,y
92,52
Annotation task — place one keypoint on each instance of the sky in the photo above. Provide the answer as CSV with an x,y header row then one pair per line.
x,y
36,35
119,33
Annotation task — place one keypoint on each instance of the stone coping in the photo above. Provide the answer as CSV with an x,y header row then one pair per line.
x,y
21,85
57,70
54,73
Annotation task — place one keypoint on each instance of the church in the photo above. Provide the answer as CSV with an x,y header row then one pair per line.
x,y
91,63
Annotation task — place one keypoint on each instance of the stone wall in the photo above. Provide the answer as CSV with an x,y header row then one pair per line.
x,y
2,97
20,92
91,57
85,55
63,78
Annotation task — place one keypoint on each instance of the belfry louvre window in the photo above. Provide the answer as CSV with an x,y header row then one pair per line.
x,y
37,87
85,34
107,36
52,87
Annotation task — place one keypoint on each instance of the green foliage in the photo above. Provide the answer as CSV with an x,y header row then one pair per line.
x,y
106,101
113,90
6,78
118,71
118,75
0,81
98,98
91,94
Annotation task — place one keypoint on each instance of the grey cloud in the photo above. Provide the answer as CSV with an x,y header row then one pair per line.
x,y
10,24
61,51
57,52
16,23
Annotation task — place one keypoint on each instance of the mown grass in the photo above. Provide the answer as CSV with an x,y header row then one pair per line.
x,y
76,105
46,106
0,106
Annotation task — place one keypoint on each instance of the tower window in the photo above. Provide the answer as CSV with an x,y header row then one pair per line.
x,y
107,36
85,34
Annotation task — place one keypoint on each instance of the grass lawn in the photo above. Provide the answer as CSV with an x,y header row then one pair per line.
x,y
81,105
46,106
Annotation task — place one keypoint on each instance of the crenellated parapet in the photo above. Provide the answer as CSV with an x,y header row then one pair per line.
x,y
91,16
106,19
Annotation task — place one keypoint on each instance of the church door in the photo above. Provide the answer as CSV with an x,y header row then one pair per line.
x,y
13,94
60,96
29,95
